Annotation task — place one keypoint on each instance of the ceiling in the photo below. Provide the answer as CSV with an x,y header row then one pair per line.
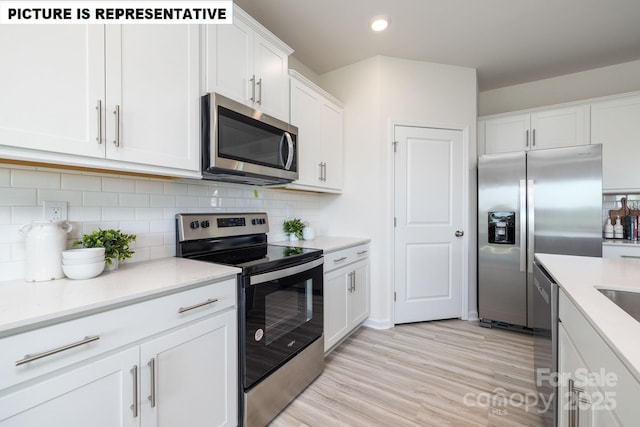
x,y
507,41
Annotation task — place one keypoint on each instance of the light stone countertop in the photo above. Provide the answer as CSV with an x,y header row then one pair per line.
x,y
580,277
24,305
328,244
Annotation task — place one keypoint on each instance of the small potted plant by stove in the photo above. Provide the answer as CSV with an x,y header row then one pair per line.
x,y
115,244
293,228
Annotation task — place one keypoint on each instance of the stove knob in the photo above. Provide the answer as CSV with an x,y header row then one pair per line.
x,y
205,223
194,225
263,221
254,221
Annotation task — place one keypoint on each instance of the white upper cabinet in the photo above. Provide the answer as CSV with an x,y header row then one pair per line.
x,y
51,80
66,82
553,128
615,124
153,81
319,119
247,63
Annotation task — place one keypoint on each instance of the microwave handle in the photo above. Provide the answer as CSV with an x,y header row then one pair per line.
x,y
287,136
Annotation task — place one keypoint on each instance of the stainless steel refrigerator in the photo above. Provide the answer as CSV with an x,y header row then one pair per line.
x,y
543,201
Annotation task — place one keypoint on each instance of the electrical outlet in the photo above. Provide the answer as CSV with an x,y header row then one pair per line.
x,y
55,211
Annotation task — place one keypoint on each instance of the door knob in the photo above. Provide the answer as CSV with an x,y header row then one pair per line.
x,y
459,233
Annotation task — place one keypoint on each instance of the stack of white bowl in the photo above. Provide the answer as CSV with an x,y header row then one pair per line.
x,y
83,263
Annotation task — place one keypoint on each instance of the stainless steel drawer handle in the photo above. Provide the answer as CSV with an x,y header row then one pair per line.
x,y
361,252
31,357
340,259
134,405
152,396
201,304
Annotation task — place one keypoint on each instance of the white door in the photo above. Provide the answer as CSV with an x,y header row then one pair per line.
x,y
428,234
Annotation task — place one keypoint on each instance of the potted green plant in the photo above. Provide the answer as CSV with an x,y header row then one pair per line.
x,y
115,244
293,228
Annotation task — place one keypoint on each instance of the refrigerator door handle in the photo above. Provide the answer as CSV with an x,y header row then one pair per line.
x,y
523,225
530,223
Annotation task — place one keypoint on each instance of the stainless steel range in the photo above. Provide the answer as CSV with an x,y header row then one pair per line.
x,y
280,307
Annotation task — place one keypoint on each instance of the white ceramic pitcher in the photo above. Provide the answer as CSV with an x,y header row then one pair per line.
x,y
44,243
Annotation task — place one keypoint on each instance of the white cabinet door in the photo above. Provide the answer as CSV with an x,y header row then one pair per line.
x,y
306,109
560,127
272,80
99,394
320,137
553,128
51,80
336,308
191,375
574,408
331,128
359,296
153,79
229,60
246,63
507,134
616,125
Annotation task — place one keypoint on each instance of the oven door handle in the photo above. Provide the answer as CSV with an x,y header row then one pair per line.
x,y
279,274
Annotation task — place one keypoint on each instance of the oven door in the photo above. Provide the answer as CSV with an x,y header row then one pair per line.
x,y
280,314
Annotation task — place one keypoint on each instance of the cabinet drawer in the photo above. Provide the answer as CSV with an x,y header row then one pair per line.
x,y
74,341
337,259
629,250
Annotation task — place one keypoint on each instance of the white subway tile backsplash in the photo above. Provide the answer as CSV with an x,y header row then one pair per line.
x,y
149,187
162,201
81,182
134,200
118,214
83,214
5,177
176,188
120,185
143,206
26,214
5,252
72,197
34,179
90,198
5,215
18,197
149,213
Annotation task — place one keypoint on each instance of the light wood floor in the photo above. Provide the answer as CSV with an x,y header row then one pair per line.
x,y
442,373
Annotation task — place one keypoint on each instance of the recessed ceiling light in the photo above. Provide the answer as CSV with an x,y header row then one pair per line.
x,y
379,23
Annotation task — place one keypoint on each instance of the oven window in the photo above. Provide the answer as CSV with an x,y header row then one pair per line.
x,y
287,309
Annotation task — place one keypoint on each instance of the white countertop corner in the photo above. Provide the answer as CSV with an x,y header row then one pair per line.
x,y
328,244
580,277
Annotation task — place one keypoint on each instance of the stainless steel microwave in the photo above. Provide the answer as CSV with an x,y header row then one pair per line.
x,y
241,144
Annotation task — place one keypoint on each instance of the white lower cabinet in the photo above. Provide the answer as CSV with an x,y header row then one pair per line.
x,y
594,388
628,250
182,372
346,293
187,376
99,394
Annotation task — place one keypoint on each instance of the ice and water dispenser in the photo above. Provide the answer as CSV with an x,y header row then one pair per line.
x,y
502,228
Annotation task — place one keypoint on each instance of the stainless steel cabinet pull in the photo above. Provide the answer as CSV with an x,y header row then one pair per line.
x,y
320,171
572,404
533,139
259,84
31,357
99,108
201,304
152,396
324,171
353,279
526,138
134,405
361,252
253,88
117,113
340,259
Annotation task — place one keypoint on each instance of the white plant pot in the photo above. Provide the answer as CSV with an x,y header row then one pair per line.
x,y
293,237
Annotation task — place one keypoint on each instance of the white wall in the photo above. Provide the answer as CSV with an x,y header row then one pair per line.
x,y
143,206
604,81
377,92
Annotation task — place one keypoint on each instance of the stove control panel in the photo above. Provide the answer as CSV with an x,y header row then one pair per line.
x,y
194,226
